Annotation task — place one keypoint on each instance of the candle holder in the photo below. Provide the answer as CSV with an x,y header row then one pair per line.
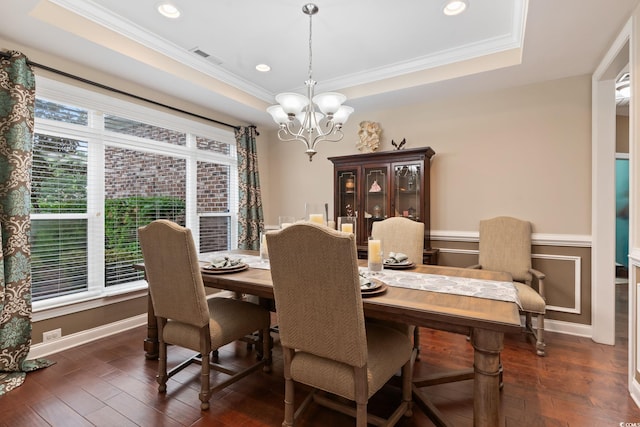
x,y
286,221
347,224
316,212
374,255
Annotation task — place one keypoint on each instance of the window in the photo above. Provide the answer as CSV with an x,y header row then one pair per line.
x,y
103,167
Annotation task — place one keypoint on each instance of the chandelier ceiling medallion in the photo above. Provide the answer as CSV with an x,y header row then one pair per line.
x,y
297,114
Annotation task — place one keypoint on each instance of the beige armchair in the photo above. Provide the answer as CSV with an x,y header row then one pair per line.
x,y
399,234
186,317
505,245
325,342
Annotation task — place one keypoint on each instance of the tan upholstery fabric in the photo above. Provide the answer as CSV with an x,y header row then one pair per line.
x,y
170,257
337,378
317,292
399,234
185,317
321,320
531,301
505,245
231,319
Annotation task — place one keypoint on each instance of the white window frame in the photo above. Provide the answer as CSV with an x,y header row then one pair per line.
x,y
98,104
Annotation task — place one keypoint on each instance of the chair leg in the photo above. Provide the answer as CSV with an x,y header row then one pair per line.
x,y
540,345
265,339
288,389
162,376
205,393
527,322
361,414
416,341
162,368
361,395
407,383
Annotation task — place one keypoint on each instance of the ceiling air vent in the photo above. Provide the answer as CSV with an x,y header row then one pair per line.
x,y
206,56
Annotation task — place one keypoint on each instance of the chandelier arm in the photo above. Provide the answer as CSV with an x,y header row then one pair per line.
x,y
286,134
334,136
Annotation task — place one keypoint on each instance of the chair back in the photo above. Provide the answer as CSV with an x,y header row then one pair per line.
x,y
505,245
399,234
317,292
173,273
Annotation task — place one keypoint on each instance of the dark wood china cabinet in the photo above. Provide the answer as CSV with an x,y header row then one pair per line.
x,y
375,186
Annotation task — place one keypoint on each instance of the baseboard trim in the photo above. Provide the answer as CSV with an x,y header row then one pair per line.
x,y
83,337
567,328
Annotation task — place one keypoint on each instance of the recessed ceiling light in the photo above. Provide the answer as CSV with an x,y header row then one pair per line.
x,y
454,7
169,10
263,68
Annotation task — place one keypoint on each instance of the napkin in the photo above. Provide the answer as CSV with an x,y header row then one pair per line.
x,y
225,262
364,282
396,258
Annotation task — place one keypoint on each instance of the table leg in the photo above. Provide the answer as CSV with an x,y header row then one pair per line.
x,y
487,345
151,342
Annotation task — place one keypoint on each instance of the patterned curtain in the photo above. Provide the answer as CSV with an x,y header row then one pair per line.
x,y
17,99
250,219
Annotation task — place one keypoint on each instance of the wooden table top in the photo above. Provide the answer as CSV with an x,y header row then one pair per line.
x,y
455,313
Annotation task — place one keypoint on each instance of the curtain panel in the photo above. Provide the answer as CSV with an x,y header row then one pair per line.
x,y
250,216
17,100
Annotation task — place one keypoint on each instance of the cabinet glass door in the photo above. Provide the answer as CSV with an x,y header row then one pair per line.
x,y
407,179
347,181
375,195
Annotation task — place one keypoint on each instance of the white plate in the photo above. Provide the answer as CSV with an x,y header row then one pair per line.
x,y
370,286
391,262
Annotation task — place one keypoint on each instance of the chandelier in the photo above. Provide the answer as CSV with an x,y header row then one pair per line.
x,y
297,114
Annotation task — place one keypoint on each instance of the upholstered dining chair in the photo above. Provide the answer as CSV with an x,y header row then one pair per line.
x,y
399,234
186,317
505,245
325,342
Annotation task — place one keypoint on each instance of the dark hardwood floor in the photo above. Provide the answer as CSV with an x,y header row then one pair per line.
x,y
109,383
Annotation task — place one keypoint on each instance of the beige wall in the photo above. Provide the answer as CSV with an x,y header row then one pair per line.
x,y
524,152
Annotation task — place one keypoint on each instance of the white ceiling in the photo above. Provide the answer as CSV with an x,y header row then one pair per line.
x,y
378,52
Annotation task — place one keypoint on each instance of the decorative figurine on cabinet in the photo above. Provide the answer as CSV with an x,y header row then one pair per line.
x,y
400,145
369,134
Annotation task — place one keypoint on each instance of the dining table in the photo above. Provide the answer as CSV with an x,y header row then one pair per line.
x,y
483,320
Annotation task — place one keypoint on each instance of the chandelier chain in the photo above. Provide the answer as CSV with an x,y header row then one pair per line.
x,y
310,50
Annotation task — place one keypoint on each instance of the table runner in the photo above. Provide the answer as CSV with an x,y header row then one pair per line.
x,y
480,288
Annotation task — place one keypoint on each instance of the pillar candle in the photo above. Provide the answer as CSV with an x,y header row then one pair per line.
x,y
317,218
375,252
347,228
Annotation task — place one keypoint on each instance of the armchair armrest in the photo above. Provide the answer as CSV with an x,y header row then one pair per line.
x,y
540,277
475,266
